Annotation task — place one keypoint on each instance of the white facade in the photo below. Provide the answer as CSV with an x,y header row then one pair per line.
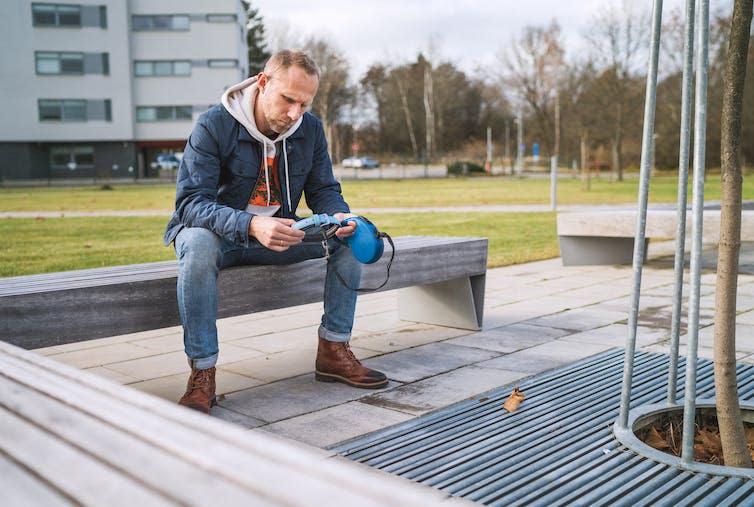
x,y
131,73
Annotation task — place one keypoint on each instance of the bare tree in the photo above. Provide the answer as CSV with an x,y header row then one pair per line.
x,y
533,65
726,391
334,94
616,36
401,82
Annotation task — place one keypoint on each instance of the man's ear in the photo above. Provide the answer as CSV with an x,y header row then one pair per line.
x,y
262,81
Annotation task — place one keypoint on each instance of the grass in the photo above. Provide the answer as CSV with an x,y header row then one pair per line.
x,y
58,244
376,193
119,198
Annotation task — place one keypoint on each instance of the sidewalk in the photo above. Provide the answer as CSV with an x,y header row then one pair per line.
x,y
538,316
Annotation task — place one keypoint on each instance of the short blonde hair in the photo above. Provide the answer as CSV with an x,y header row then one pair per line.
x,y
287,58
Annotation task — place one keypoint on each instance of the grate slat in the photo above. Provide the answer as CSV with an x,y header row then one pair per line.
x,y
558,448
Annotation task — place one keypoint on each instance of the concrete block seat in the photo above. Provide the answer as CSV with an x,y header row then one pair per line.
x,y
607,237
441,280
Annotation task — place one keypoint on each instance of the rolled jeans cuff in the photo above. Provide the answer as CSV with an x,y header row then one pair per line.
x,y
332,336
203,363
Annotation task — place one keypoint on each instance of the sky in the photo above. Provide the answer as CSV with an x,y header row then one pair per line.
x,y
468,33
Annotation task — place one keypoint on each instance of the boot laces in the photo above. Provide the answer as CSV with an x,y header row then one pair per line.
x,y
350,354
200,380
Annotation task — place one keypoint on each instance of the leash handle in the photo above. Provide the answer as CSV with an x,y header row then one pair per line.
x,y
387,271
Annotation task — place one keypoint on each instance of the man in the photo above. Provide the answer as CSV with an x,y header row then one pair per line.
x,y
244,169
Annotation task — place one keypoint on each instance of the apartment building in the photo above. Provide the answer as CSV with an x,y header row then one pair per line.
x,y
100,89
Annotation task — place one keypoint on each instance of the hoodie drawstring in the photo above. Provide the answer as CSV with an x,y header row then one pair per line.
x,y
287,181
266,172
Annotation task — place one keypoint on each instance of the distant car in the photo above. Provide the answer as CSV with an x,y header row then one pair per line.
x,y
360,162
167,161
369,163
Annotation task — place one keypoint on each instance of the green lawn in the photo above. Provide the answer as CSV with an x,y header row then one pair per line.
x,y
376,193
58,244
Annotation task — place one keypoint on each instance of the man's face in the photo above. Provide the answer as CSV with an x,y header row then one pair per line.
x,y
283,98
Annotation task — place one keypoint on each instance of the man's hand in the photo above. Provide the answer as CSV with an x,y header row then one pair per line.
x,y
345,230
275,233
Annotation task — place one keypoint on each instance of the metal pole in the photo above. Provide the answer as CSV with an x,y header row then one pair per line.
x,y
700,137
683,177
641,220
554,183
507,141
488,167
520,147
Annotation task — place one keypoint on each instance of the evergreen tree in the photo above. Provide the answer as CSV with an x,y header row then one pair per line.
x,y
255,39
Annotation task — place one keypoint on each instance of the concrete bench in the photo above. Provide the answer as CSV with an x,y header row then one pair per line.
x,y
441,280
72,438
607,237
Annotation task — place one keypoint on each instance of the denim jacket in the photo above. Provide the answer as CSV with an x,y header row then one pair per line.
x,y
220,166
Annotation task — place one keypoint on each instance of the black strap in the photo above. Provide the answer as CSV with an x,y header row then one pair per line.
x,y
360,290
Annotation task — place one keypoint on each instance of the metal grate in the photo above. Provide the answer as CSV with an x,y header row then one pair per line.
x,y
557,448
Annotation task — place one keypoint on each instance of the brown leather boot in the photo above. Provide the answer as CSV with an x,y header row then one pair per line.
x,y
336,363
200,390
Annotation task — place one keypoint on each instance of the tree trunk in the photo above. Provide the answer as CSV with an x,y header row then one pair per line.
x,y
429,115
407,113
618,143
728,409
585,183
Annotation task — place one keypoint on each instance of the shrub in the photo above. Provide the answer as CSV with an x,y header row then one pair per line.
x,y
463,168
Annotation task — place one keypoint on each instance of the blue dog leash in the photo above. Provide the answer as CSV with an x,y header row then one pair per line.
x,y
365,243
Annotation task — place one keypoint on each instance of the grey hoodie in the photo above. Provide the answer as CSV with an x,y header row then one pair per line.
x,y
239,101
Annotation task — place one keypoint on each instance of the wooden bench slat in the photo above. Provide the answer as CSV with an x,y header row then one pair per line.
x,y
261,468
20,487
46,456
108,444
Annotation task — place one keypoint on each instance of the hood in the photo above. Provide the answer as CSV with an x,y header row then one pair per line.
x,y
239,101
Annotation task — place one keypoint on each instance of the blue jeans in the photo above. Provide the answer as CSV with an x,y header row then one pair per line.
x,y
202,254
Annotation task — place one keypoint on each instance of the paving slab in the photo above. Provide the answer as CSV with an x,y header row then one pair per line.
x,y
292,397
580,319
744,337
615,335
103,354
412,336
410,365
335,424
271,342
236,418
172,387
745,318
441,390
546,356
510,338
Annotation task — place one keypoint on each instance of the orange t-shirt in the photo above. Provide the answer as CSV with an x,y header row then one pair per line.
x,y
259,196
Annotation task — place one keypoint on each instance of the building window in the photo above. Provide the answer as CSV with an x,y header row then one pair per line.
x,y
74,110
163,22
163,113
68,15
162,68
59,63
56,14
72,157
62,110
221,18
222,63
